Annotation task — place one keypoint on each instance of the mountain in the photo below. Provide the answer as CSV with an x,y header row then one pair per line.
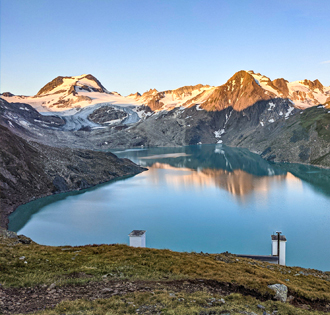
x,y
167,100
245,88
65,93
303,94
70,85
239,92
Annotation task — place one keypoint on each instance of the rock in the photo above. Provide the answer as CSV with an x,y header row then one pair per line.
x,y
7,239
7,234
281,291
261,306
107,290
25,240
52,286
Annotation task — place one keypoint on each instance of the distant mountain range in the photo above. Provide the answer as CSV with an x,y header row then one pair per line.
x,y
282,121
242,90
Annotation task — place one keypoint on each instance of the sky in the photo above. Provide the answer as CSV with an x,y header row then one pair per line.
x,y
135,45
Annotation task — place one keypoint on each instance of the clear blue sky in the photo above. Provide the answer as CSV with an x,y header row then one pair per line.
x,y
135,45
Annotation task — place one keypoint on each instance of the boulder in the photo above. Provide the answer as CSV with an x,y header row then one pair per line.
x,y
281,291
10,238
5,234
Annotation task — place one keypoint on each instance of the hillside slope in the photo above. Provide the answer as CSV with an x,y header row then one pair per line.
x,y
117,279
304,138
29,170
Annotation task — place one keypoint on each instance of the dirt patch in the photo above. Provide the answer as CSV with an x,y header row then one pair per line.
x,y
26,300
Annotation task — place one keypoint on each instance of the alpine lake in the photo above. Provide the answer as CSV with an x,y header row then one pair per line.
x,y
209,198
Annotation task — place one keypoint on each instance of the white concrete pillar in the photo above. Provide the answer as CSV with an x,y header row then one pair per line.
x,y
137,238
282,248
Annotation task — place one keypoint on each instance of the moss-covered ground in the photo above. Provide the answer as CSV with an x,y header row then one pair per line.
x,y
318,118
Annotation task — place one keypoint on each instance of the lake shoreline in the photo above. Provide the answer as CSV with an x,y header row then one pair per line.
x,y
196,198
7,211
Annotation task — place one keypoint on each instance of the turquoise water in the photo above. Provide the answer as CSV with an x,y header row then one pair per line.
x,y
206,198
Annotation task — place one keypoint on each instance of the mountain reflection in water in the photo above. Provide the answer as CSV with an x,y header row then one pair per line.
x,y
238,170
237,182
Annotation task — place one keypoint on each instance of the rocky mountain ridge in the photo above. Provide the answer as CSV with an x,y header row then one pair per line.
x,y
255,128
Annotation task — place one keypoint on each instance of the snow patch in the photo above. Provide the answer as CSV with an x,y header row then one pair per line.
x,y
24,123
114,121
289,112
219,132
271,120
271,105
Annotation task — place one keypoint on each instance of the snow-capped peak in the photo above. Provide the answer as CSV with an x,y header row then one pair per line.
x,y
69,85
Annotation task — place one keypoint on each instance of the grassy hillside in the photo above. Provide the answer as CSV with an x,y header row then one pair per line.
x,y
117,279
